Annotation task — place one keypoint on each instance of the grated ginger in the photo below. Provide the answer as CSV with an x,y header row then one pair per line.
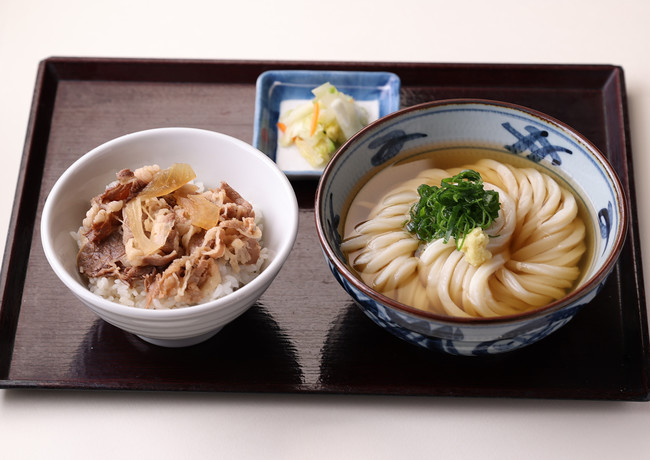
x,y
475,247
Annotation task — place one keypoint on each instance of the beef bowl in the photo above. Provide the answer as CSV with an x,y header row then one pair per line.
x,y
469,226
170,233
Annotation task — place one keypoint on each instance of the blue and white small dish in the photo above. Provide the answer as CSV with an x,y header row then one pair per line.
x,y
518,131
280,90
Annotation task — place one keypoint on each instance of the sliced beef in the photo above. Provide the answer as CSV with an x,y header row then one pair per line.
x,y
235,207
185,264
127,187
101,229
101,258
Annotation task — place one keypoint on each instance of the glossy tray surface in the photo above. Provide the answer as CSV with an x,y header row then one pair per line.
x,y
305,335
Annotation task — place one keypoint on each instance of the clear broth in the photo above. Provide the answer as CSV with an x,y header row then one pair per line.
x,y
410,164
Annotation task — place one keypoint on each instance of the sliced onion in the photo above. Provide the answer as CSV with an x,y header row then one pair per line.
x,y
203,212
168,180
133,214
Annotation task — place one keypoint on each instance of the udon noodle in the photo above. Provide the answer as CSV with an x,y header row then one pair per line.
x,y
536,243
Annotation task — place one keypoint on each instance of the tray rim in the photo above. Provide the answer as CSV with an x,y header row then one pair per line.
x,y
53,70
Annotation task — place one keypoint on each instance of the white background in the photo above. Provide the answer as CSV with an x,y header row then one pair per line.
x,y
62,424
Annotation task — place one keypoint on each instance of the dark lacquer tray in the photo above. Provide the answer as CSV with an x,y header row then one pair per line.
x,y
305,335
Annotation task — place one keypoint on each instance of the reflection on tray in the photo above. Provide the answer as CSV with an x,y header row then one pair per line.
x,y
357,350
254,337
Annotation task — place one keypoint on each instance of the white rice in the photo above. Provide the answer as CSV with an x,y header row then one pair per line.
x,y
118,291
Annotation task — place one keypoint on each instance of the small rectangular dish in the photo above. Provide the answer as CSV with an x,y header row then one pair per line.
x,y
280,90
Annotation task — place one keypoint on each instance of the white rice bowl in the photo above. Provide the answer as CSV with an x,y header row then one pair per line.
x,y
210,154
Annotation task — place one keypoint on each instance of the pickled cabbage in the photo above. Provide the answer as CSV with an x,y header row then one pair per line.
x,y
319,127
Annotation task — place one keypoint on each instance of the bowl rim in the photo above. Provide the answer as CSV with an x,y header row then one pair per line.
x,y
590,284
235,297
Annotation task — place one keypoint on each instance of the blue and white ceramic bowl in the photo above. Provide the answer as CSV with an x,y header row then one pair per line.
x,y
520,131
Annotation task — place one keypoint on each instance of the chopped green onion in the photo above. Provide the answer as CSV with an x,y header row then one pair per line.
x,y
454,209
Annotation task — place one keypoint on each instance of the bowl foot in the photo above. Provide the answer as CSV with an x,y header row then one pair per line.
x,y
178,343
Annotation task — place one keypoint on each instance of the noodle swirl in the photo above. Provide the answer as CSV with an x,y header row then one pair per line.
x,y
536,244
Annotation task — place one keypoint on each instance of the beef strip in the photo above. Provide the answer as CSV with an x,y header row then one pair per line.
x,y
127,187
100,258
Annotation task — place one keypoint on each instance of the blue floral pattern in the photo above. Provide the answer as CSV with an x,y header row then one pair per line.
x,y
390,145
605,224
332,224
530,142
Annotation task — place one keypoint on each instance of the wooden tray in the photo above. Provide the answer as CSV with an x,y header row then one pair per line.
x,y
305,335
